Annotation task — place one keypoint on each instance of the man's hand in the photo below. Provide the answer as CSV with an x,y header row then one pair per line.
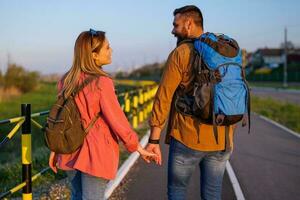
x,y
52,162
145,153
153,148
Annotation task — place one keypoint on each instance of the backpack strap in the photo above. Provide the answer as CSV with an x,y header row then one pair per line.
x,y
93,121
227,142
185,41
248,106
87,81
215,128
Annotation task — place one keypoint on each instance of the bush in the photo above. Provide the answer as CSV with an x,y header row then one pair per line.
x,y
17,76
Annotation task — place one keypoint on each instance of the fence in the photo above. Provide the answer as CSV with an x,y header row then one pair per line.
x,y
136,104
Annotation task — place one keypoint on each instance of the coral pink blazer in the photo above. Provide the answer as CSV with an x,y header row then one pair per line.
x,y
99,154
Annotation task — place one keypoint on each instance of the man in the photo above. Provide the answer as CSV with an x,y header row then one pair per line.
x,y
191,143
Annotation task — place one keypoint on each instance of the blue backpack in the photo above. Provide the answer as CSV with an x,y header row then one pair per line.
x,y
220,95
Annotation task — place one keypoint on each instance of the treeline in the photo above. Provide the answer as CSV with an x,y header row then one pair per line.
x,y
17,77
146,72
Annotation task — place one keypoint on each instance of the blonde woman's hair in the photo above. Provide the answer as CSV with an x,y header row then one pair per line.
x,y
85,44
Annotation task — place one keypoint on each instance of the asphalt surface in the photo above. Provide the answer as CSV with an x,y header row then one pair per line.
x,y
267,162
149,181
286,96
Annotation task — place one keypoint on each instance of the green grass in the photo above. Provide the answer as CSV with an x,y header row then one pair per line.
x,y
284,113
40,99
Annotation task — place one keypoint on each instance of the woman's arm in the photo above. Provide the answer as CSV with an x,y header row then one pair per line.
x,y
115,116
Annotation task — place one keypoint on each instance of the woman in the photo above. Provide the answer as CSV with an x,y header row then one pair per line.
x,y
96,162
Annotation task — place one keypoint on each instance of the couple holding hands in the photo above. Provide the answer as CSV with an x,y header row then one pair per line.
x,y
191,144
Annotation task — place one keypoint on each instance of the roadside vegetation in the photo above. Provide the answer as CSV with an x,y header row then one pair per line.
x,y
287,114
17,81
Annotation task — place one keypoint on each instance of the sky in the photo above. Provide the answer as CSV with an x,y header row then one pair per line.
x,y
40,35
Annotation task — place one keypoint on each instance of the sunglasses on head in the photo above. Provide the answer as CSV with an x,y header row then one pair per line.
x,y
94,33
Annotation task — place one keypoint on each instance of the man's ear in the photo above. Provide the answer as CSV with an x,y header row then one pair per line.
x,y
189,24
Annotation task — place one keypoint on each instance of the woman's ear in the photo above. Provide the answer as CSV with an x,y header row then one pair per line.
x,y
94,55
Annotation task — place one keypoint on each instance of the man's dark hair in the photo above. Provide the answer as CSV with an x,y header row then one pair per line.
x,y
191,11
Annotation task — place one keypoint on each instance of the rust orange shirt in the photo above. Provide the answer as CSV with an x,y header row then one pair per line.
x,y
99,154
178,73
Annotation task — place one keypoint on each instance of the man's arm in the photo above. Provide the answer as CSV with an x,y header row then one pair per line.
x,y
171,78
154,148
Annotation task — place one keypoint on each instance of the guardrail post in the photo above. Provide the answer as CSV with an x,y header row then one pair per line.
x,y
26,152
126,104
145,103
141,102
135,112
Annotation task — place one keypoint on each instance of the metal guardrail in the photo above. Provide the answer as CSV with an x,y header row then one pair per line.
x,y
137,105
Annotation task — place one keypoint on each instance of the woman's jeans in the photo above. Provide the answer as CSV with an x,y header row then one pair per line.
x,y
85,186
182,163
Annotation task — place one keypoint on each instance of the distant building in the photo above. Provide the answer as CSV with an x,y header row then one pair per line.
x,y
273,57
268,57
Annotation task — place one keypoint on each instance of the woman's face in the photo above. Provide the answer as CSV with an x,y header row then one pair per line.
x,y
103,57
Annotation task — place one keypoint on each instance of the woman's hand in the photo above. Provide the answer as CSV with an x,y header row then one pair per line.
x,y
145,153
52,162
154,148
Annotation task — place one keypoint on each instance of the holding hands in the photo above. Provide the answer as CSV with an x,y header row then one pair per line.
x,y
154,147
145,153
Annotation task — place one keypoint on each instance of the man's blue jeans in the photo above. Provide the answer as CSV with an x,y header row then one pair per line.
x,y
85,186
182,163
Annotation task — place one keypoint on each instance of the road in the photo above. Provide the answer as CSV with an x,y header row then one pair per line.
x,y
287,96
266,163
149,181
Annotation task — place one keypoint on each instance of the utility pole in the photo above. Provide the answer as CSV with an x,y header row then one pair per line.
x,y
7,64
285,59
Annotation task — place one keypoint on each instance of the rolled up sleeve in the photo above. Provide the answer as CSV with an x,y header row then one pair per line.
x,y
115,116
170,80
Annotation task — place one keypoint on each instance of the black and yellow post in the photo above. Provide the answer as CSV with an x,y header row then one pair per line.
x,y
26,152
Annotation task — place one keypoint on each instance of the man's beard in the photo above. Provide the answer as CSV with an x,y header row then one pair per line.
x,y
182,36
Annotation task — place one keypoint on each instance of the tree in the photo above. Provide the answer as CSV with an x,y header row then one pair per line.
x,y
30,81
14,76
17,76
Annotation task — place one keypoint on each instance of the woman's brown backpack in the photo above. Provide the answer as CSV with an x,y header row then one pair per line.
x,y
64,132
